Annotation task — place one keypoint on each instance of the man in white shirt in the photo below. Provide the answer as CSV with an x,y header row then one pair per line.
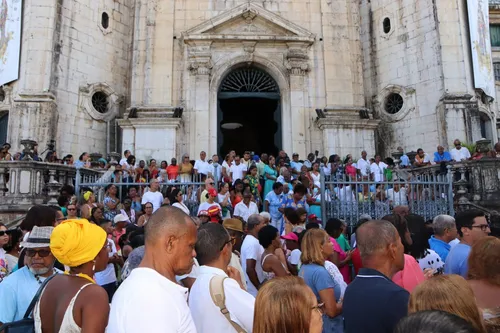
x,y
459,153
247,161
246,207
251,254
377,169
238,170
397,195
123,161
201,166
215,169
153,195
213,250
363,165
170,238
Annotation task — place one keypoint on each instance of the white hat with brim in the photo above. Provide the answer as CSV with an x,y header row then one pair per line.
x,y
38,237
121,218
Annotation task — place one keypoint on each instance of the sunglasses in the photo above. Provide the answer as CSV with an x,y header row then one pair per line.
x,y
41,253
232,240
212,183
71,208
319,307
3,233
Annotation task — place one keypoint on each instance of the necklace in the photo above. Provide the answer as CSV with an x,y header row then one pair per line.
x,y
81,275
37,277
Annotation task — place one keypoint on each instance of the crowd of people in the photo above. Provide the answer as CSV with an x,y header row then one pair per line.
x,y
240,247
396,274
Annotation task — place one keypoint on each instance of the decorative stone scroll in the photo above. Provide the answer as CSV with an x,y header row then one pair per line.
x,y
297,60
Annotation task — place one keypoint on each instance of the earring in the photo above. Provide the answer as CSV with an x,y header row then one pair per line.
x,y
93,266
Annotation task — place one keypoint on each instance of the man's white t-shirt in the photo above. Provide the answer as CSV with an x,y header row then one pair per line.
x,y
202,167
378,171
245,211
149,302
399,198
205,206
460,154
237,171
156,198
207,316
364,167
108,275
251,249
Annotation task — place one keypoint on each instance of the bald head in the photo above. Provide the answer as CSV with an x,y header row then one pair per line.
x,y
375,236
167,221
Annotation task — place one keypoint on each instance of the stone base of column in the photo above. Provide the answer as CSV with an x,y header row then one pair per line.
x,y
348,131
150,132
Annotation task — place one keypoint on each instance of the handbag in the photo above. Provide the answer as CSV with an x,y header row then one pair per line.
x,y
27,324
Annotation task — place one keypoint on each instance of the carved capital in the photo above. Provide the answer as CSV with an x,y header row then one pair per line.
x,y
200,58
297,60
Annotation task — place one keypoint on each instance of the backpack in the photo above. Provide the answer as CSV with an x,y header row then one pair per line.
x,y
219,298
27,324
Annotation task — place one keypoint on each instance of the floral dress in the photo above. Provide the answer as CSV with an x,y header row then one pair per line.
x,y
254,183
108,213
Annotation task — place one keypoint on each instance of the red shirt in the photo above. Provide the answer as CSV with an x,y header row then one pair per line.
x,y
172,171
356,261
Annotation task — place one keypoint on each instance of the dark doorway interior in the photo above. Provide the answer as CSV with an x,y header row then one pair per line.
x,y
260,117
4,124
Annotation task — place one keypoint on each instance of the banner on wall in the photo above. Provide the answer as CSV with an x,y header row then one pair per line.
x,y
482,63
10,39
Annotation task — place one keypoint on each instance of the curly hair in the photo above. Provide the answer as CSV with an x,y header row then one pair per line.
x,y
484,261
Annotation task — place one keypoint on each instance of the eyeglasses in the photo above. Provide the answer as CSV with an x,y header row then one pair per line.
x,y
41,253
3,233
232,240
319,308
71,208
483,227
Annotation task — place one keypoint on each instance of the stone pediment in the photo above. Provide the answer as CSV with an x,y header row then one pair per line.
x,y
248,22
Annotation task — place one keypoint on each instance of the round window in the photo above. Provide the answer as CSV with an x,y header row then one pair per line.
x,y
100,102
393,103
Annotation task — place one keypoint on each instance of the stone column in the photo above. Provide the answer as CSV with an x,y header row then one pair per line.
x,y
297,65
203,130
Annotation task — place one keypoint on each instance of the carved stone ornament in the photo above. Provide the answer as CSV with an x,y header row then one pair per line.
x,y
200,59
250,15
297,60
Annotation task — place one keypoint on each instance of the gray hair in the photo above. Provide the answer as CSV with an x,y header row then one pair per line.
x,y
443,222
266,215
374,236
253,220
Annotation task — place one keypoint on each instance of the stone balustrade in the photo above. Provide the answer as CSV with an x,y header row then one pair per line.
x,y
26,183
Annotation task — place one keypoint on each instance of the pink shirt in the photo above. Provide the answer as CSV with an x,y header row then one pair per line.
x,y
342,255
411,276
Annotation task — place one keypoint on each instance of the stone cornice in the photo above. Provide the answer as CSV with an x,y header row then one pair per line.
x,y
28,96
150,123
340,116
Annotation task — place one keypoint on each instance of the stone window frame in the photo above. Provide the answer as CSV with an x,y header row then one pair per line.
x,y
408,95
98,18
383,34
7,102
85,94
496,70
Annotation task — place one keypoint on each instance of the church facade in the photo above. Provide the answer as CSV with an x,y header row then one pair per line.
x,y
167,77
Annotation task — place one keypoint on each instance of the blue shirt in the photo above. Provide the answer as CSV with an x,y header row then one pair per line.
x,y
16,293
373,303
441,248
446,157
288,201
274,204
318,278
405,161
456,263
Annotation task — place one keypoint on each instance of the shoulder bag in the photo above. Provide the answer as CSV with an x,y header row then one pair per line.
x,y
219,298
27,324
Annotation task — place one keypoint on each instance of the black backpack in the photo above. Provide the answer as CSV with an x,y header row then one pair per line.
x,y
27,324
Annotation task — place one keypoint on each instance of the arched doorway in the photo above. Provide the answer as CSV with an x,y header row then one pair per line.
x,y
248,112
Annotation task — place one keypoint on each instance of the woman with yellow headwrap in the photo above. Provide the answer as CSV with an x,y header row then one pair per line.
x,y
73,302
88,198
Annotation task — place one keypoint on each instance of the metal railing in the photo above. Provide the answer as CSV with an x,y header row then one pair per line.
x,y
349,198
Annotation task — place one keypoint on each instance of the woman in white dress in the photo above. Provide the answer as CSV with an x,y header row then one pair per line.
x,y
224,199
175,198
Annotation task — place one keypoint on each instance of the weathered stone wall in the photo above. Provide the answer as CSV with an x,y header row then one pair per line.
x,y
425,57
65,50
